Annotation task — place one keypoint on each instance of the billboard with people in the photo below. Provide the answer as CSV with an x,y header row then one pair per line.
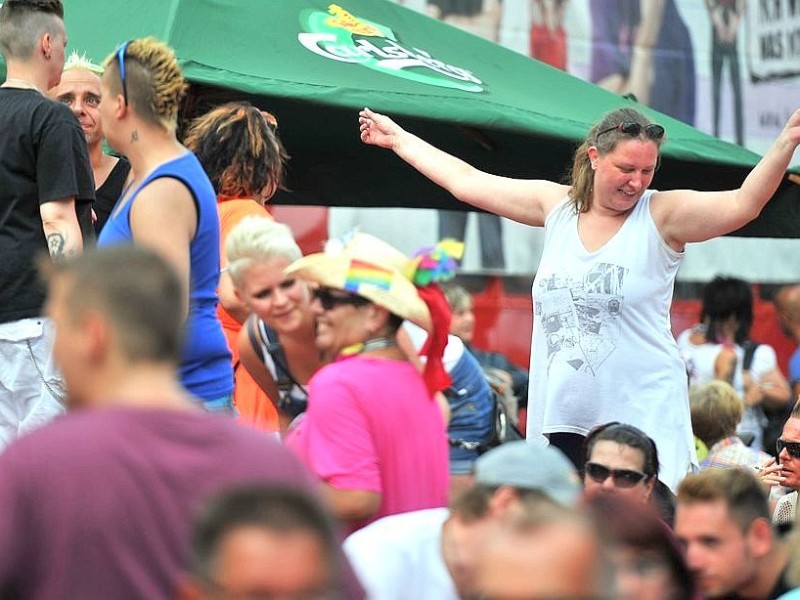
x,y
728,67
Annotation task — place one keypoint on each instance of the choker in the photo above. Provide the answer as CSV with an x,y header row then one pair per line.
x,y
379,343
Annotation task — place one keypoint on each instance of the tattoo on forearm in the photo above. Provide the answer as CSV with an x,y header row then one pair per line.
x,y
57,243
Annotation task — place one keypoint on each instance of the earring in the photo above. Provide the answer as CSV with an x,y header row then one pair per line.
x,y
594,166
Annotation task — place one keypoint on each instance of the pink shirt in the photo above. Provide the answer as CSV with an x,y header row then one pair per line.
x,y
371,425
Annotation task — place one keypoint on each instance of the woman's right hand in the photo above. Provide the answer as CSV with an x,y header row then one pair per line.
x,y
377,129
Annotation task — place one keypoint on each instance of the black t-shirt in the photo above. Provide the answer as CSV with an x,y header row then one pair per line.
x,y
106,195
43,157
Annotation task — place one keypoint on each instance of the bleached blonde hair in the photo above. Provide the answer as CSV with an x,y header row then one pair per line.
x,y
81,61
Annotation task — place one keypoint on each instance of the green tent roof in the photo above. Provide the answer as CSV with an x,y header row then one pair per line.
x,y
313,64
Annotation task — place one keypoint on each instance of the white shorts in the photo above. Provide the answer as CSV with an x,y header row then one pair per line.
x,y
32,392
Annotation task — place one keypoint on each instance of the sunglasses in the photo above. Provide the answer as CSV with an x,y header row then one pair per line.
x,y
652,131
121,61
792,448
623,478
328,300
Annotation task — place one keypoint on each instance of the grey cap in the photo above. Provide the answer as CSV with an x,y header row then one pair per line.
x,y
528,466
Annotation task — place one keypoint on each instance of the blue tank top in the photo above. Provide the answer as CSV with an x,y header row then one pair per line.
x,y
206,369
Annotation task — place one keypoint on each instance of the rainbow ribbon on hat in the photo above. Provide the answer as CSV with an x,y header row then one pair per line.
x,y
360,272
434,264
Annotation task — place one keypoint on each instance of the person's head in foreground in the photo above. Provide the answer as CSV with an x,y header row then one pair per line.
x,y
620,459
239,148
263,542
623,136
723,523
114,309
551,552
648,563
511,482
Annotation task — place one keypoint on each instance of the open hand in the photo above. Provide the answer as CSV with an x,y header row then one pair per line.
x,y
377,129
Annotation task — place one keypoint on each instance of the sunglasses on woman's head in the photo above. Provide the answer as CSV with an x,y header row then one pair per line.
x,y
121,60
633,129
792,448
330,300
623,478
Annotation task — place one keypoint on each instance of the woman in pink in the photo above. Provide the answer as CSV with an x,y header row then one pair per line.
x,y
372,433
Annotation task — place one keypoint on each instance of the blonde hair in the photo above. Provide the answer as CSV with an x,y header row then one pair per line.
x,y
716,410
258,239
81,61
153,79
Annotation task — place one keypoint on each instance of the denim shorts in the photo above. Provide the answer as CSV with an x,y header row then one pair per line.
x,y
470,400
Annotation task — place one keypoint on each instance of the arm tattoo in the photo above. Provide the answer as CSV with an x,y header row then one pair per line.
x,y
56,243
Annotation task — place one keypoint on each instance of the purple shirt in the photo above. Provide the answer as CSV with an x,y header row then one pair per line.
x,y
99,503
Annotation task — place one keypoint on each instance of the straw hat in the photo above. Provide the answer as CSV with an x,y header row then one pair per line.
x,y
367,266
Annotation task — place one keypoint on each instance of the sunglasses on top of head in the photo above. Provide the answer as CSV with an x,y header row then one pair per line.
x,y
623,478
633,129
330,300
792,448
121,61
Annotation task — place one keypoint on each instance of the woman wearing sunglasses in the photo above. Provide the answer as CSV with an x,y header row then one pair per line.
x,y
373,432
170,204
602,346
277,342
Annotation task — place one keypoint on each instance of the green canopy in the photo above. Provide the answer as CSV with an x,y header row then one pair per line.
x,y
314,64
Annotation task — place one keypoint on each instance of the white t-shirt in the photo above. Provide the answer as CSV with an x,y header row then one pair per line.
x,y
399,557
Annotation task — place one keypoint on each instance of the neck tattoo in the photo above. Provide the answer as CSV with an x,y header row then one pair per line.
x,y
134,136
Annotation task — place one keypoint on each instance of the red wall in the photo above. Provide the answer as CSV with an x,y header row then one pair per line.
x,y
504,322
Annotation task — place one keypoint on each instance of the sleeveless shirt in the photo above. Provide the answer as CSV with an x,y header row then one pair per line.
x,y
205,369
602,347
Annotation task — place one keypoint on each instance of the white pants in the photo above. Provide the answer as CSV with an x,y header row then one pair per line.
x,y
32,392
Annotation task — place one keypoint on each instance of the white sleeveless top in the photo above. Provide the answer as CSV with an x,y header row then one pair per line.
x,y
602,347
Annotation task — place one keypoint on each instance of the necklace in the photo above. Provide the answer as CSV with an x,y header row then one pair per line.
x,y
20,83
378,343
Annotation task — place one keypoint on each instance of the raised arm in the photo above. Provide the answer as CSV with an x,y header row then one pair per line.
x,y
524,200
61,228
690,216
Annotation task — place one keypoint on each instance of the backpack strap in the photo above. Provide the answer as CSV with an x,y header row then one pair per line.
x,y
271,344
749,351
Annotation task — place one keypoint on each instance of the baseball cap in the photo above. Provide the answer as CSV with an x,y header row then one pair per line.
x,y
524,465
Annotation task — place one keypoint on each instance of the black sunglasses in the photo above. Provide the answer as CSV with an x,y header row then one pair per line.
x,y
328,300
121,60
623,478
792,448
633,129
